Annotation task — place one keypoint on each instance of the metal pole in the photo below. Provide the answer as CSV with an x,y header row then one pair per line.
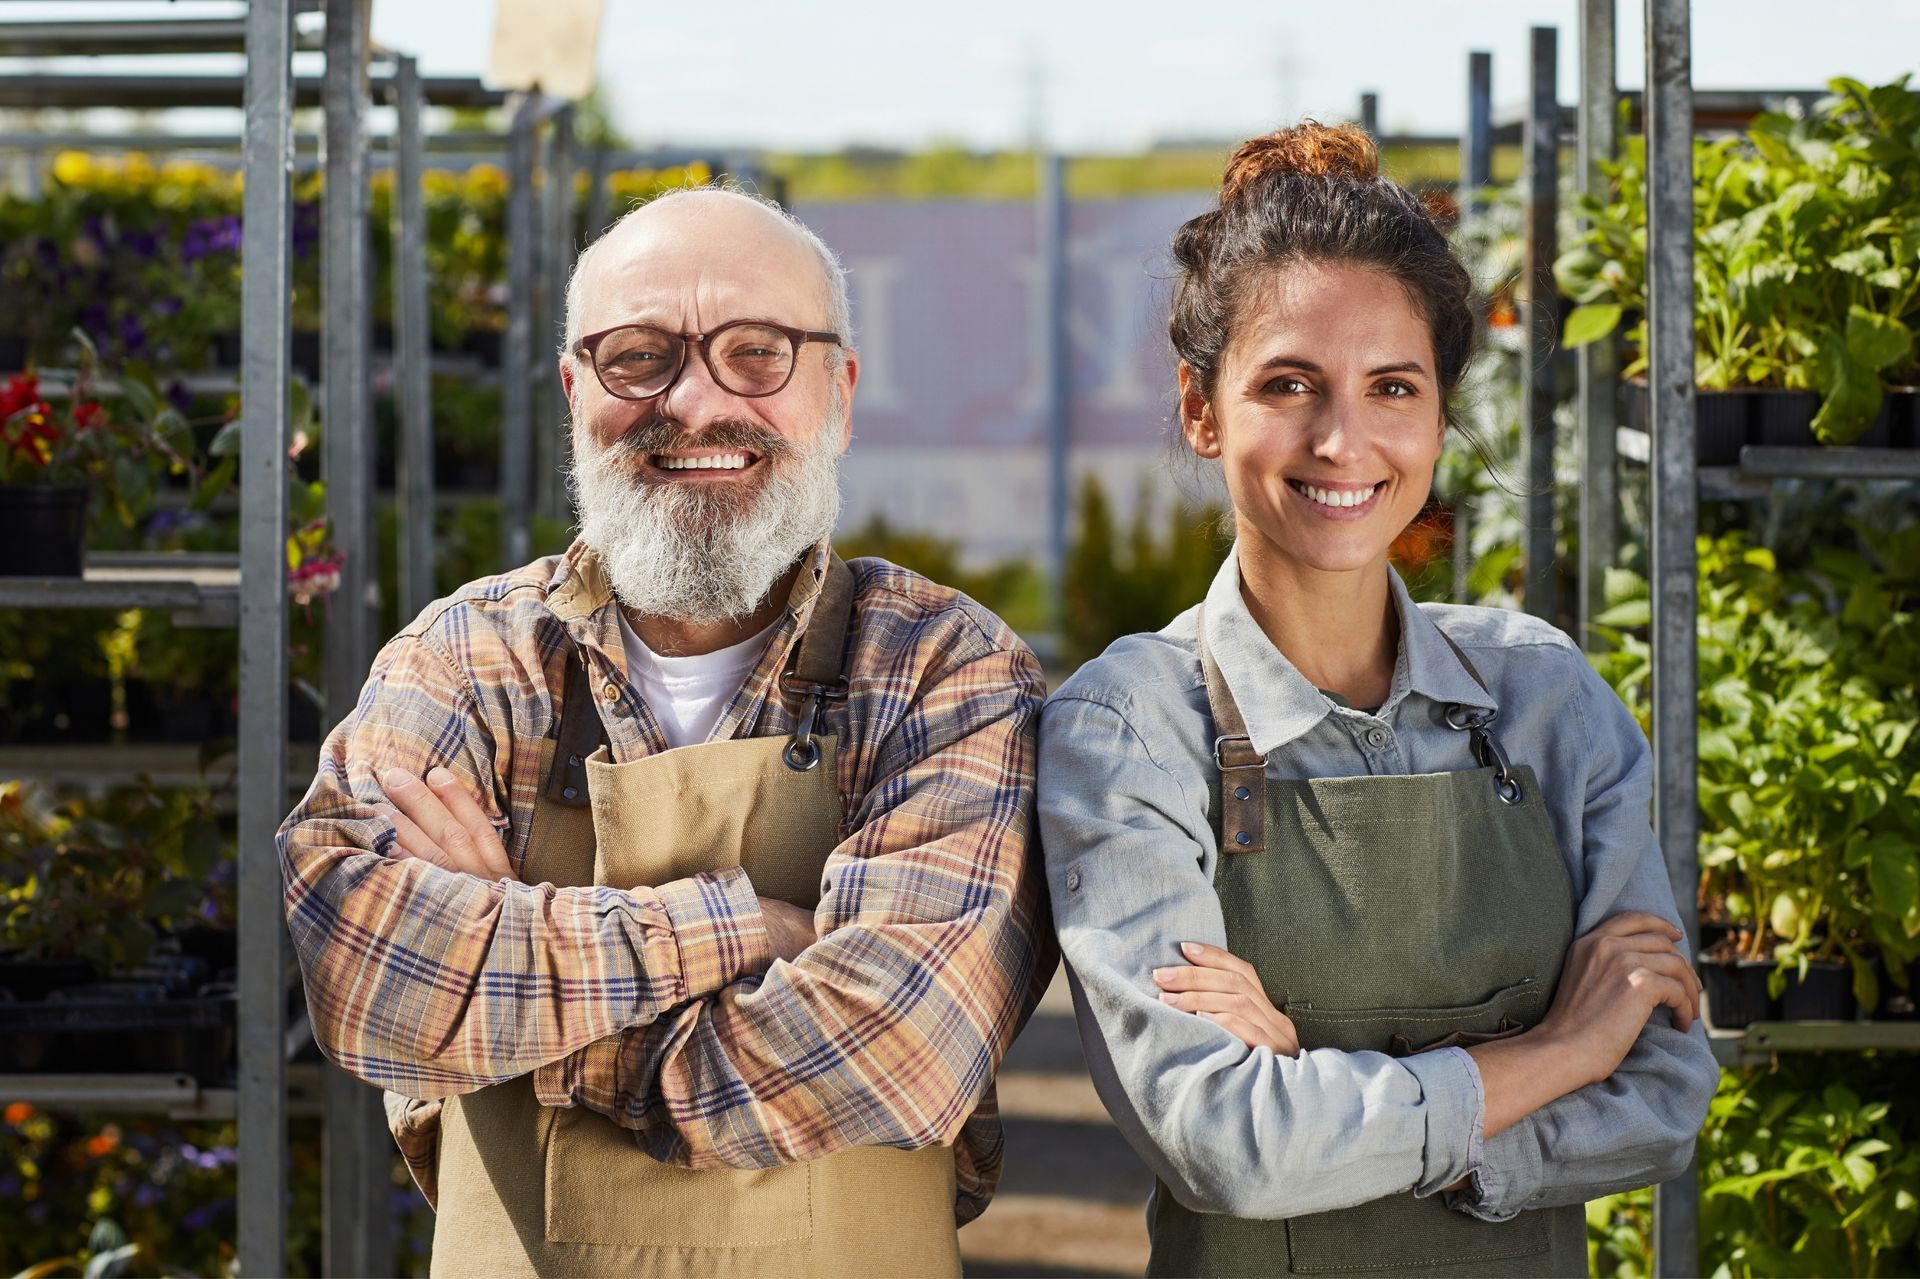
x,y
265,283
412,371
1543,318
1476,171
597,193
357,1228
1370,114
1676,675
556,259
1476,144
516,356
1053,353
1598,362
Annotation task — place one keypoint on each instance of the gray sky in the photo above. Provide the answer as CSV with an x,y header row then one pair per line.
x,y
1117,74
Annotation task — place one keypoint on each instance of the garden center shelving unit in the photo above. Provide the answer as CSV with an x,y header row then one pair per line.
x,y
249,592
1670,113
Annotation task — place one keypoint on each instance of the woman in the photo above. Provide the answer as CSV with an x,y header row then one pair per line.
x,y
1372,946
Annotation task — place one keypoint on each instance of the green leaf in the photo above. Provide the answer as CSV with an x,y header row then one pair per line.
x,y
1893,872
227,442
1876,341
1590,323
1628,615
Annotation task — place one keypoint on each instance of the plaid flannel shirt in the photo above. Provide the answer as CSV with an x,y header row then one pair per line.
x,y
657,1006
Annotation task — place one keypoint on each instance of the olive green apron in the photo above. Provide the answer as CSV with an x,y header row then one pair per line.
x,y
526,1189
1370,906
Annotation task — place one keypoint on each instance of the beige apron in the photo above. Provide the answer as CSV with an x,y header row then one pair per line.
x,y
526,1189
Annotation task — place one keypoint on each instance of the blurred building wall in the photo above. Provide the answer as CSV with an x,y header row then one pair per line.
x,y
949,419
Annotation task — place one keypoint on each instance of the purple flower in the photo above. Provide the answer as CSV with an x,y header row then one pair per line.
x,y
133,335
146,1195
177,393
9,1186
141,243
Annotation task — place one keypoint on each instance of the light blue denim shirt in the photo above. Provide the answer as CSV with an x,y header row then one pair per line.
x,y
1130,852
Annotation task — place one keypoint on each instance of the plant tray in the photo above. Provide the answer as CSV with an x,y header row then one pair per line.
x,y
117,1028
1727,421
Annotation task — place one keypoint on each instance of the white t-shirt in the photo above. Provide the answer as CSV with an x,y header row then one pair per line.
x,y
688,694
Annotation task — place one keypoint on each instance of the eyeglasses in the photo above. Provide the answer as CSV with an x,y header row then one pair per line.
x,y
748,358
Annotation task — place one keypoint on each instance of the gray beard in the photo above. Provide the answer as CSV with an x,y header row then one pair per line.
x,y
698,553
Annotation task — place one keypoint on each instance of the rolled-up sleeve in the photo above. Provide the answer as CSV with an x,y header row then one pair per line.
x,y
1228,1129
1638,1125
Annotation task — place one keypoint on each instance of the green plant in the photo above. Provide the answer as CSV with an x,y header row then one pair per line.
x,y
1809,768
1806,254
100,880
1808,1167
1118,584
1015,589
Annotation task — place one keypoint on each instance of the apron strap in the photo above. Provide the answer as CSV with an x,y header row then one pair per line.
x,y
579,734
819,669
1243,770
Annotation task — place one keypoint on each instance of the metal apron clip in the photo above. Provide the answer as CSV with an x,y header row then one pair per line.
x,y
803,748
1478,725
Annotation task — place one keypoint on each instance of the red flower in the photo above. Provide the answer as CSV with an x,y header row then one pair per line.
x,y
88,415
21,390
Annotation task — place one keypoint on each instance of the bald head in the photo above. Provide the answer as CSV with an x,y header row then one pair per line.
x,y
701,256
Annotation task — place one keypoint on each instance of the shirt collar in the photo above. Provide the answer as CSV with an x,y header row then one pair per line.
x,y
1280,704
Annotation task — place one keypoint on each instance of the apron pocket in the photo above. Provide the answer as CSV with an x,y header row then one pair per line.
x,y
603,1189
1405,1031
1404,1233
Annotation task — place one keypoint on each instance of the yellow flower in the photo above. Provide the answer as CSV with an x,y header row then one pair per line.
x,y
71,168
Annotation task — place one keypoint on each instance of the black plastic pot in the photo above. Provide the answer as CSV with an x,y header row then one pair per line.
x,y
1824,994
1786,419
1736,992
30,980
121,1027
1897,1004
1724,420
43,530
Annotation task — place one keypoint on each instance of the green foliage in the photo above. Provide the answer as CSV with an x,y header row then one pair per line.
x,y
1121,583
1014,589
1809,803
100,880
82,1191
1806,254
1809,1167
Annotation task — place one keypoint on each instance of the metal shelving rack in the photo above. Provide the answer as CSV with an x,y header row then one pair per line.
x,y
1671,113
248,592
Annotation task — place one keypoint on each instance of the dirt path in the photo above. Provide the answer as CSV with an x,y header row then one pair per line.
x,y
1072,1197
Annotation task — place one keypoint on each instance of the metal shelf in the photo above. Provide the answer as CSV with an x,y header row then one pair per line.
x,y
1756,1043
166,765
196,595
175,1096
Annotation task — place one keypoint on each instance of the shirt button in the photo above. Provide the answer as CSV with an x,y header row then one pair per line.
x,y
611,693
1073,880
1376,737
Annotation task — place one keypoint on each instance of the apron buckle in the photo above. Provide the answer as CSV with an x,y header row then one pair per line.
x,y
1478,726
803,749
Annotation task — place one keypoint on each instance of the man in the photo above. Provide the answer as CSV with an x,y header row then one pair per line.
x,y
691,865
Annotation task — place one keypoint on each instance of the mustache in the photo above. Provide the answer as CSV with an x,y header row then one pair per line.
x,y
664,435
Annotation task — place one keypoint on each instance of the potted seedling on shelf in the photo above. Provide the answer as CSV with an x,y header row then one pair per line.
x,y
1806,275
1810,819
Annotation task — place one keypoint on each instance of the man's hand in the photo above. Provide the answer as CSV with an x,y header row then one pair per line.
x,y
439,822
789,929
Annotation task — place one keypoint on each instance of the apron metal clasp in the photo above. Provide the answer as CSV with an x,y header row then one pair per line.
x,y
803,749
1478,726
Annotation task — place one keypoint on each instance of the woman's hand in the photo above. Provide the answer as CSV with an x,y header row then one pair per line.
x,y
1614,978
1225,989
438,821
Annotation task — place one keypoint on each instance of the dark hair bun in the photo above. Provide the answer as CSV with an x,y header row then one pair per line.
x,y
1310,149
